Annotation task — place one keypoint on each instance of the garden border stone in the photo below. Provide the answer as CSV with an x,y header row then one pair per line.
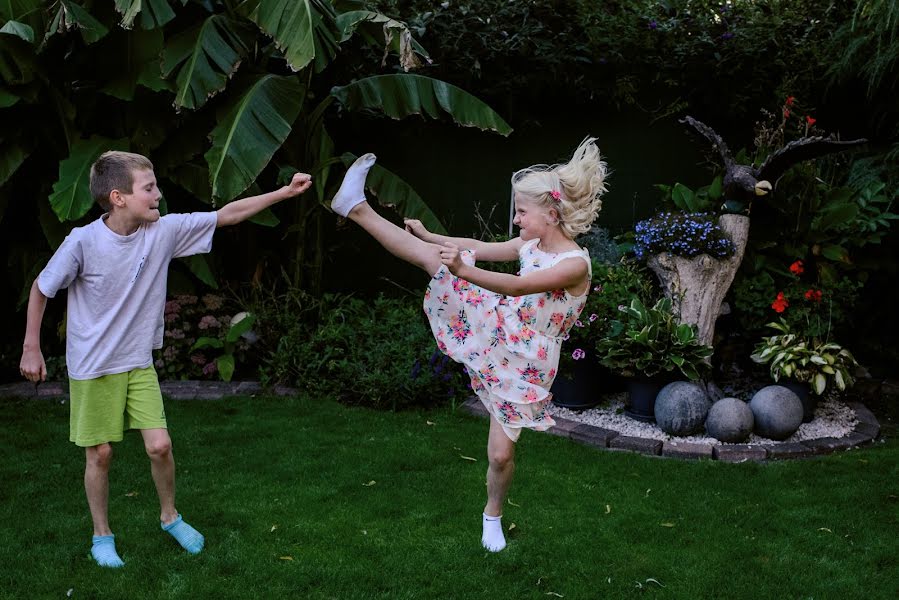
x,y
865,432
867,429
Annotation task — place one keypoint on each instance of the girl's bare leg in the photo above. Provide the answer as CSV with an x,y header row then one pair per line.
x,y
501,461
397,240
350,202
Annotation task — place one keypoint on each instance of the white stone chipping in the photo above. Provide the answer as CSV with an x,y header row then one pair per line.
x,y
832,419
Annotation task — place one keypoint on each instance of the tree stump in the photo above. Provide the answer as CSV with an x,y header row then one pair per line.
x,y
697,286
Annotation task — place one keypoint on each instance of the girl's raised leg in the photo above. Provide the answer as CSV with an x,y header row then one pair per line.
x,y
350,202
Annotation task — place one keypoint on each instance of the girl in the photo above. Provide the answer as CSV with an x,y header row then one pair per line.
x,y
506,330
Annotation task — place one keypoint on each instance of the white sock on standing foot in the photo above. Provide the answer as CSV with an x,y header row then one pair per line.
x,y
492,538
352,190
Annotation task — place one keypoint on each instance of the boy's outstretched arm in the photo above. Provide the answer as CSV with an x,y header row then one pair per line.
x,y
32,366
241,210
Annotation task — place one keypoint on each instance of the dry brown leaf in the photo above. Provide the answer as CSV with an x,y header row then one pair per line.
x,y
131,494
825,529
430,423
286,557
647,492
608,509
667,524
468,458
509,500
554,594
370,483
273,528
511,526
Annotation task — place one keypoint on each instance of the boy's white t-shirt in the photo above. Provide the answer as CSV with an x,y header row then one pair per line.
x,y
117,289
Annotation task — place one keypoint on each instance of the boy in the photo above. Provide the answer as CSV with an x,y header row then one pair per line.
x,y
116,269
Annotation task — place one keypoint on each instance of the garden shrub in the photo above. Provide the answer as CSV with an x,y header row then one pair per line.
x,y
378,353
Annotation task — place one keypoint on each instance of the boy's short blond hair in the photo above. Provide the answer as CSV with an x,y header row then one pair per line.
x,y
114,170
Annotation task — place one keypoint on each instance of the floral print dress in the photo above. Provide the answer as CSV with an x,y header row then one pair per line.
x,y
509,345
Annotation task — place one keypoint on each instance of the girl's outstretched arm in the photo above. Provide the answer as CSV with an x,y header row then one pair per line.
x,y
568,273
486,251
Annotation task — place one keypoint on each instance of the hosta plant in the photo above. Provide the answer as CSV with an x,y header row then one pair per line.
x,y
792,356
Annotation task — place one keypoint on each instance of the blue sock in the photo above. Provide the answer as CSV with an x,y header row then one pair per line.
x,y
104,552
189,538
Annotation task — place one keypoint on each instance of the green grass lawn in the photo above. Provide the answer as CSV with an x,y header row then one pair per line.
x,y
305,498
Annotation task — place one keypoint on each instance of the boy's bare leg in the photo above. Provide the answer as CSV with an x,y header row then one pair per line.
x,y
96,485
397,240
501,466
158,445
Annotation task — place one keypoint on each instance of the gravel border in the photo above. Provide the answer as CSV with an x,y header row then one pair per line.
x,y
837,426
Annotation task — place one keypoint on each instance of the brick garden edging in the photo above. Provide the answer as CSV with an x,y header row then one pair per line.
x,y
867,429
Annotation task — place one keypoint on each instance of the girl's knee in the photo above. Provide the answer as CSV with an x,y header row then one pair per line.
x,y
501,458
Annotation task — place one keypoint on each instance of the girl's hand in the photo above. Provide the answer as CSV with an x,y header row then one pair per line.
x,y
449,255
415,227
299,184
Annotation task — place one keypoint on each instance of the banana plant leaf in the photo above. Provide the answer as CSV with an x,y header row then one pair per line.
x,y
396,35
199,266
392,191
203,59
303,30
71,16
399,96
20,30
153,13
135,62
71,197
254,127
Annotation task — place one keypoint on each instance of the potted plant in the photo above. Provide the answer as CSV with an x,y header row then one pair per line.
x,y
582,379
812,364
650,346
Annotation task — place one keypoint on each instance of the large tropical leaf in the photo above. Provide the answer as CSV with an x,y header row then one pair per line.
x,y
7,98
255,126
203,59
399,96
153,13
303,30
71,197
199,266
137,62
70,16
30,12
392,191
12,154
19,29
18,64
395,34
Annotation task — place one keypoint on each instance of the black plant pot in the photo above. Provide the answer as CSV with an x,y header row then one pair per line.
x,y
642,392
803,390
580,387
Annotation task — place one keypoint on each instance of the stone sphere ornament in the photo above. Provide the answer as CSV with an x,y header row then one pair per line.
x,y
681,408
730,420
777,412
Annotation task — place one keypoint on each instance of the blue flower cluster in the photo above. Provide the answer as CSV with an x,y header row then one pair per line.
x,y
682,234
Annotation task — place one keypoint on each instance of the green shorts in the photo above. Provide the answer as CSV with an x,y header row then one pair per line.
x,y
103,408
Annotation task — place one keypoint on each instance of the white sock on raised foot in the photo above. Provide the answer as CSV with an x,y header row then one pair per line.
x,y
493,538
352,190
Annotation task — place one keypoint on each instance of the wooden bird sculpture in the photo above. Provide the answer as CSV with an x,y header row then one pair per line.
x,y
743,183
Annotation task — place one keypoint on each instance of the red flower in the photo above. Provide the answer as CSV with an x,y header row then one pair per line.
x,y
790,100
786,113
780,304
813,295
810,120
796,268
